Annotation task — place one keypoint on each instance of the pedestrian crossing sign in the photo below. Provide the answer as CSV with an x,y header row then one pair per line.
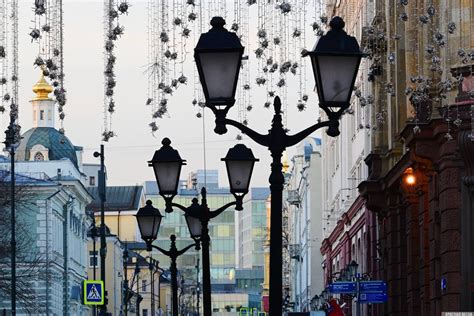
x,y
93,292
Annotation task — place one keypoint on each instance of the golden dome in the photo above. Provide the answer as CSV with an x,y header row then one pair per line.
x,y
42,89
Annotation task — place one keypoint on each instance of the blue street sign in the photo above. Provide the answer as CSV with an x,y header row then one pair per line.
x,y
372,298
93,292
342,287
372,287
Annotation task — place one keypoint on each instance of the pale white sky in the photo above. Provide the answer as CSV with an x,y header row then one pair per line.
x,y
127,154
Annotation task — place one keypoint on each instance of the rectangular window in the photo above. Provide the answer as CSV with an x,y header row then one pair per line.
x,y
92,180
144,284
41,115
144,312
93,260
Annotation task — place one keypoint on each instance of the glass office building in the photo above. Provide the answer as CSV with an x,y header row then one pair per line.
x,y
221,231
253,229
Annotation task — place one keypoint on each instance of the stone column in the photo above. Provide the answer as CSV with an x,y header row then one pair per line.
x,y
434,236
424,226
411,207
450,237
466,146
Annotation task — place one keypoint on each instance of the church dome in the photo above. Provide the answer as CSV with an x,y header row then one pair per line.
x,y
38,141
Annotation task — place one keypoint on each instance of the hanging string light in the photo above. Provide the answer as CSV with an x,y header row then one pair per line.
x,y
113,9
4,54
280,25
169,29
11,95
47,34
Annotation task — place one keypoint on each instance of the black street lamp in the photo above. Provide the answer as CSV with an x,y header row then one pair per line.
x,y
149,219
352,269
335,60
103,243
334,88
218,56
167,165
239,161
351,272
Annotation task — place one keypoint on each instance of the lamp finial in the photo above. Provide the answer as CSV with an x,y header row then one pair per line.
x,y
217,22
337,23
166,141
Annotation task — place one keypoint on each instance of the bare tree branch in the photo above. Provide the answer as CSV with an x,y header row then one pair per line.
x,y
31,264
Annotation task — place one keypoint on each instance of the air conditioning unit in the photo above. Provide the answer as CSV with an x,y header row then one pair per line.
x,y
293,197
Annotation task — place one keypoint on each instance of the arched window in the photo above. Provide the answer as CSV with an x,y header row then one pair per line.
x,y
39,157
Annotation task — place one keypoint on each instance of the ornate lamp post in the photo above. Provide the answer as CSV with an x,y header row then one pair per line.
x,y
335,61
12,140
239,162
103,242
149,220
351,271
153,266
126,291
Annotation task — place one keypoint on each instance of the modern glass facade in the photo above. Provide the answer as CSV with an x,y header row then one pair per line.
x,y
252,229
221,231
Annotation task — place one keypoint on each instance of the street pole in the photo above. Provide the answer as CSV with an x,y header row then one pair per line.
x,y
276,245
174,285
94,232
173,254
206,264
125,282
198,291
358,297
11,142
152,276
137,273
102,196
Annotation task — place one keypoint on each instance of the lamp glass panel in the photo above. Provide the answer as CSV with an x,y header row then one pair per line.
x,y
220,72
167,176
239,175
352,270
314,64
194,225
337,74
148,226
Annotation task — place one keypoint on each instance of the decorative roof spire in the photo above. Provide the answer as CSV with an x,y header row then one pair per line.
x,y
42,89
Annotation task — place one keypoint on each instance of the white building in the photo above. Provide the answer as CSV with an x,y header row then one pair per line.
x,y
305,212
50,168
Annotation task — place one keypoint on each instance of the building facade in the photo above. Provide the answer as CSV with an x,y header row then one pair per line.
x,y
417,89
252,229
425,225
221,229
50,169
305,228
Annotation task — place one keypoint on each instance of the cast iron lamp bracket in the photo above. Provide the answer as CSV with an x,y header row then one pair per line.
x,y
173,252
277,137
202,211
